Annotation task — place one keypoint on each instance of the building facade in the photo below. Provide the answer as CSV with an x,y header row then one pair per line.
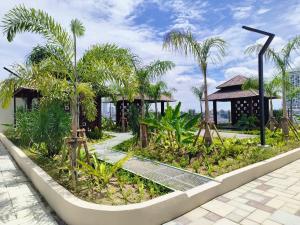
x,y
293,105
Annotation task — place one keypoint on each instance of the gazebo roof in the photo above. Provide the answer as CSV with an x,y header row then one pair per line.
x,y
238,80
234,94
23,92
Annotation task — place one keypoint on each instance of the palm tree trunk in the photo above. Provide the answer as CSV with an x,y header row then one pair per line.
x,y
271,117
143,129
123,118
201,109
284,122
207,133
75,121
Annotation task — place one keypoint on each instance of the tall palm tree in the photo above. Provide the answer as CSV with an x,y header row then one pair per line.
x,y
198,92
211,49
144,76
157,90
282,60
61,75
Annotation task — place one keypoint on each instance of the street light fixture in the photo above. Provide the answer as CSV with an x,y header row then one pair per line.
x,y
261,80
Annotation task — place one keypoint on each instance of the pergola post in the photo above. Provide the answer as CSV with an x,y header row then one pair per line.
x,y
215,112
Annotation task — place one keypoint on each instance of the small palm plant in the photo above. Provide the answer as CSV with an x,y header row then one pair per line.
x,y
157,90
101,171
282,60
211,49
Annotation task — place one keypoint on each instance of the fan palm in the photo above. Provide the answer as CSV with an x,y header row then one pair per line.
x,y
211,49
144,75
156,91
198,92
282,60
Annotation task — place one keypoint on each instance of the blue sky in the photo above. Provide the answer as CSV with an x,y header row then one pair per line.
x,y
141,24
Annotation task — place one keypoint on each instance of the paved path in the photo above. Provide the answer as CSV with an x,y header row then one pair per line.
x,y
272,199
171,177
20,204
224,134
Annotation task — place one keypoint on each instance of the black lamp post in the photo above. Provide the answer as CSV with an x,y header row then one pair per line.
x,y
261,80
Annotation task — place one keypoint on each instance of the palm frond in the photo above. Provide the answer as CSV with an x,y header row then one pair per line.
x,y
21,19
77,28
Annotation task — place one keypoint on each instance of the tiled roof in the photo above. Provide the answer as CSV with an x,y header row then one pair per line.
x,y
235,81
225,95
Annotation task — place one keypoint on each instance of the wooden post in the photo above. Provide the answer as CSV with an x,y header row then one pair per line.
x,y
215,112
162,108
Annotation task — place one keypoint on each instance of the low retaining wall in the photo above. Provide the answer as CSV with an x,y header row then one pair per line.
x,y
75,211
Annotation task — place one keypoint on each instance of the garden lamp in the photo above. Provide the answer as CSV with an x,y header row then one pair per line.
x,y
261,80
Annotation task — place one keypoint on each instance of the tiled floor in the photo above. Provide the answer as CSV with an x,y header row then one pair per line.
x,y
20,204
272,199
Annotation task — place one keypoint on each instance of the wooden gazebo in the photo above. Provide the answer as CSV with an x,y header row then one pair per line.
x,y
137,102
243,102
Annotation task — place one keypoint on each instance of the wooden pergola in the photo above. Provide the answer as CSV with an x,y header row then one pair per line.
x,y
243,102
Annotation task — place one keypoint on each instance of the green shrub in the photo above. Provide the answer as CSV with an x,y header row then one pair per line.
x,y
247,122
48,125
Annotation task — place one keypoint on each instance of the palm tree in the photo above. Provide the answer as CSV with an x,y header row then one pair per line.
x,y
271,89
144,75
60,75
156,91
198,92
211,49
282,60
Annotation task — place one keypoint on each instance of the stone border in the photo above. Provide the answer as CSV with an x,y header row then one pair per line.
x,y
75,211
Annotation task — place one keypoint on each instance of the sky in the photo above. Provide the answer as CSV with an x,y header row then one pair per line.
x,y
141,25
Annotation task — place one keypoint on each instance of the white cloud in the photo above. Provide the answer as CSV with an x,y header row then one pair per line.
x,y
263,11
241,12
239,70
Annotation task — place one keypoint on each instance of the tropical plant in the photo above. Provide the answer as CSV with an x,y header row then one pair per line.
x,y
247,122
101,172
198,92
157,90
45,126
282,60
61,75
174,129
211,49
144,76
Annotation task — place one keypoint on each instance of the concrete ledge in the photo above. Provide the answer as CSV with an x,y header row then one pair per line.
x,y
75,211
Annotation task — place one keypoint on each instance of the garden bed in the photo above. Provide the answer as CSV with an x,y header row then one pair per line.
x,y
217,159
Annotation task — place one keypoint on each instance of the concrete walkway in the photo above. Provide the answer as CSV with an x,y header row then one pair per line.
x,y
272,199
20,204
171,177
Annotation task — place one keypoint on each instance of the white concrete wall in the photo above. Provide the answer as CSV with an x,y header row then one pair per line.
x,y
7,115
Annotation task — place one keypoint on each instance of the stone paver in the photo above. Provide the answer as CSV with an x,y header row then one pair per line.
x,y
171,177
20,204
230,135
273,199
